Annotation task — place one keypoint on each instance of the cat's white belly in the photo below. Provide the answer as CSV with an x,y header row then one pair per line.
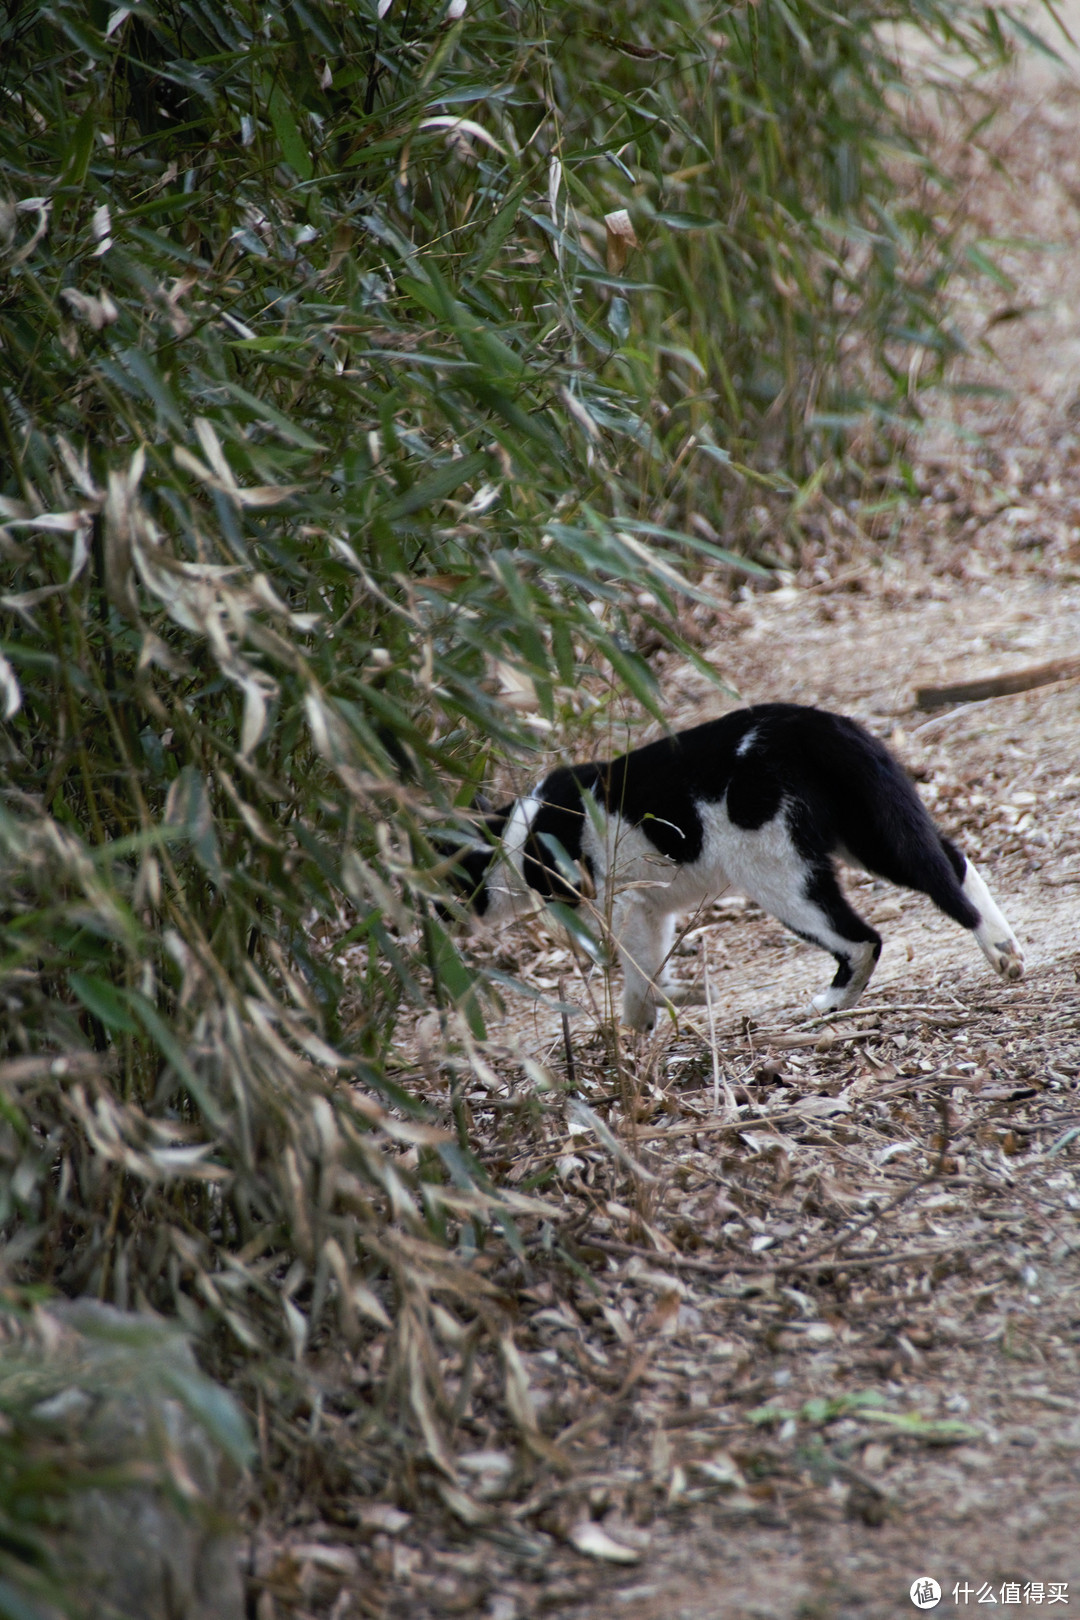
x,y
762,863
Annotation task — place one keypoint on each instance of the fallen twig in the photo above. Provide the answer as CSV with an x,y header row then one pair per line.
x,y
571,1073
723,1268
993,686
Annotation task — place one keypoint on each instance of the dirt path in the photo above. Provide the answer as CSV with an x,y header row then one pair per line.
x,y
994,1343
753,1473
813,1517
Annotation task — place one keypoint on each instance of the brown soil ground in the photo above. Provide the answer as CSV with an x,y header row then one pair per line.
x,y
831,1344
983,578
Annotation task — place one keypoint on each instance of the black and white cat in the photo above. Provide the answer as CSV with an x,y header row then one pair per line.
x,y
761,801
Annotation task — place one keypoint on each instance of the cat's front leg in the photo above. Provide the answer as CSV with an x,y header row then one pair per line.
x,y
643,936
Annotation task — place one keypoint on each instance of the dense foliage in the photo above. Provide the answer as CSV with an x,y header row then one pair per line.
x,y
370,377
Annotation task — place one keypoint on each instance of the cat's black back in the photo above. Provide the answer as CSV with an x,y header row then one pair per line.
x,y
842,789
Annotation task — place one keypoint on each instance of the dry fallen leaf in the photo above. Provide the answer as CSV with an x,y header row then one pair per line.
x,y
519,1398
382,1516
664,1316
335,1560
822,1107
593,1540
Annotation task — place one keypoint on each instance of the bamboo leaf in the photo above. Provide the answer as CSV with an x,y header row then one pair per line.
x,y
100,997
437,486
292,143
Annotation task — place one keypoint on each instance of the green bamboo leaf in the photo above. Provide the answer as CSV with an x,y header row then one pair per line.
x,y
80,148
1033,38
637,676
141,366
578,929
265,410
171,1049
214,1409
982,261
769,1416
688,222
437,485
292,144
101,998
619,319
458,980
495,400
188,809
938,1431
498,230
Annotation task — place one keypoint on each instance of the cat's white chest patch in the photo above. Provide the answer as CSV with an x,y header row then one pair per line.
x,y
508,893
623,855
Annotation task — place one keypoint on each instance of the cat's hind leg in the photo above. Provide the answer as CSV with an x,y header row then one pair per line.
x,y
822,915
929,862
992,933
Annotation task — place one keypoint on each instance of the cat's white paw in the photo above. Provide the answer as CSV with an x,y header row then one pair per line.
x,y
638,1012
835,1000
1007,959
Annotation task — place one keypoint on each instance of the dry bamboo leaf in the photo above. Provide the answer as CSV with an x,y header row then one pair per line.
x,y
581,1114
618,1324
369,1303
10,688
462,1505
660,1458
579,412
99,311
593,1540
335,1560
399,1130
297,1324
620,239
664,1316
51,522
382,1516
420,1397
822,1107
516,689
722,1470
461,126
298,1200
519,1398
334,1256
491,1469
